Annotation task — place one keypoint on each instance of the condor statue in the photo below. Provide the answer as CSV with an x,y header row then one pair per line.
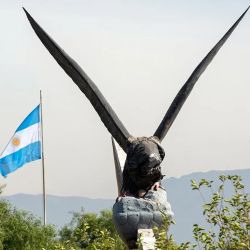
x,y
140,180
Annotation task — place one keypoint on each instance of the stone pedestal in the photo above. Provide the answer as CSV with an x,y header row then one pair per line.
x,y
131,214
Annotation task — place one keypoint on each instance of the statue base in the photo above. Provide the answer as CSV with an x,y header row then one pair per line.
x,y
131,214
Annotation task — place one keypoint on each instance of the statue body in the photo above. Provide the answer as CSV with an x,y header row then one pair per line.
x,y
142,200
142,166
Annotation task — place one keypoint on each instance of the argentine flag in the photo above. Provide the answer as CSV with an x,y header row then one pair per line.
x,y
24,146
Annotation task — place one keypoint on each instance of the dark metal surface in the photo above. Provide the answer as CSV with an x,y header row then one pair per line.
x,y
184,92
86,85
104,110
142,167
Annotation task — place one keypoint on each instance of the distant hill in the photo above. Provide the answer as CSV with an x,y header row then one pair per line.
x,y
59,208
185,203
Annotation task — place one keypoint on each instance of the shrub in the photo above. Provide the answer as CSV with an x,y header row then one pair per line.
x,y
228,217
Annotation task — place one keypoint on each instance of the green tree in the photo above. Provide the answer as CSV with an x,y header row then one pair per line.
x,y
20,230
91,231
228,217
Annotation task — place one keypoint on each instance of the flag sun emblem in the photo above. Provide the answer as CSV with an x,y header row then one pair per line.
x,y
16,141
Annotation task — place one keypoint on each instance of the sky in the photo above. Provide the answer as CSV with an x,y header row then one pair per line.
x,y
139,53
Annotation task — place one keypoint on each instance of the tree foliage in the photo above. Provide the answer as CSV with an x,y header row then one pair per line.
x,y
20,230
228,217
91,231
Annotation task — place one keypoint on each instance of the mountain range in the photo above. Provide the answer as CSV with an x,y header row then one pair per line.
x,y
186,203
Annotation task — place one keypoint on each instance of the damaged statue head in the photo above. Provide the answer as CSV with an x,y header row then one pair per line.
x,y
141,197
142,167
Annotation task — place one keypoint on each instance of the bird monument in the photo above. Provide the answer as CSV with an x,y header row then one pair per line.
x,y
141,199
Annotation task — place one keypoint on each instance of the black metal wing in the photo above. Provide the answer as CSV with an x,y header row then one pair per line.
x,y
184,92
86,85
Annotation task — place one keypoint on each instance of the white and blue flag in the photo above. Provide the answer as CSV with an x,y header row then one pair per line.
x,y
24,146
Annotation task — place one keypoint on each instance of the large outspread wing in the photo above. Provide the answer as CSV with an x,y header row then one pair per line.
x,y
86,85
184,92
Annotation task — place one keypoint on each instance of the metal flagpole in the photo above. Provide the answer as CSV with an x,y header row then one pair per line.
x,y
43,170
